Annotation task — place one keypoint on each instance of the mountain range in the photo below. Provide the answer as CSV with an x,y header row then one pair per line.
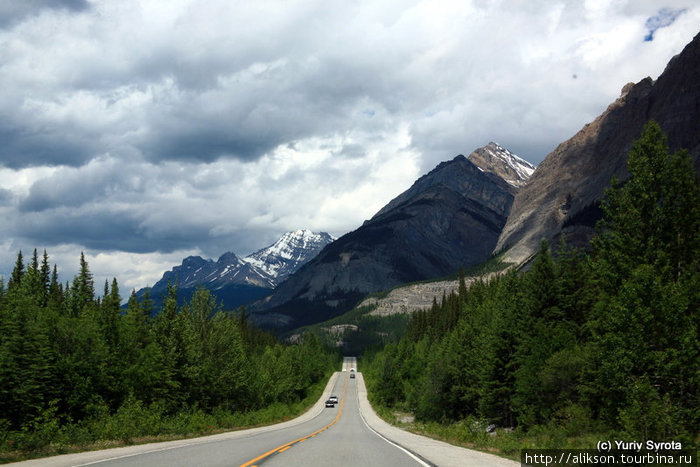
x,y
236,281
465,211
450,214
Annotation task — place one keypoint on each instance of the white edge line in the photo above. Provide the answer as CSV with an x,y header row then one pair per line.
x,y
123,456
412,455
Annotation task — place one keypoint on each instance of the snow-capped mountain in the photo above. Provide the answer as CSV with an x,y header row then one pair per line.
x,y
289,253
228,269
497,160
236,280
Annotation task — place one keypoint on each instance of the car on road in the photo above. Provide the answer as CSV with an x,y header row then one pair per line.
x,y
352,375
330,403
334,399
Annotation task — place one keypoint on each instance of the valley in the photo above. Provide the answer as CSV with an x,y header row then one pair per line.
x,y
493,303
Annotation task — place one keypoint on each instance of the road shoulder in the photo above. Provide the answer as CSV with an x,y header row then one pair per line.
x,y
434,451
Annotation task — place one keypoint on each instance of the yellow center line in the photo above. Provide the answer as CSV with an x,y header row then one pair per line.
x,y
288,445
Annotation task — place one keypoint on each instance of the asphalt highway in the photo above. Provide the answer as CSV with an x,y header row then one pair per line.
x,y
349,442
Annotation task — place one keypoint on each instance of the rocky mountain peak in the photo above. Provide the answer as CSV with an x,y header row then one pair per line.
x,y
495,159
229,258
194,261
289,252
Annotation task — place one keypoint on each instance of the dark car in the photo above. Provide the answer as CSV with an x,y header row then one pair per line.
x,y
352,375
330,403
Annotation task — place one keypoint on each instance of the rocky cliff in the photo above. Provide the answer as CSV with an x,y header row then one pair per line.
x,y
562,195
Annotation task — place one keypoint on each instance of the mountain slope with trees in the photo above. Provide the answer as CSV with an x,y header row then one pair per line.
x,y
579,344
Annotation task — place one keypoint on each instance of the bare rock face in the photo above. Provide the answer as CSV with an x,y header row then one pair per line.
x,y
410,298
561,196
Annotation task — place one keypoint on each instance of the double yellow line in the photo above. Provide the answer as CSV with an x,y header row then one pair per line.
x,y
288,445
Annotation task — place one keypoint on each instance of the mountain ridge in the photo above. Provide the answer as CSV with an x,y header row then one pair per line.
x,y
237,280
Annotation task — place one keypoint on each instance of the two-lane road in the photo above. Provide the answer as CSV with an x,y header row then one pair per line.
x,y
350,442
337,436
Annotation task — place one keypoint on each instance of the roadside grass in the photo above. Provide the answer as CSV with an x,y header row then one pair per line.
x,y
135,423
471,433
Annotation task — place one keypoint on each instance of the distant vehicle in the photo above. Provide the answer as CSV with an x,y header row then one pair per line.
x,y
352,369
352,375
334,399
330,403
345,369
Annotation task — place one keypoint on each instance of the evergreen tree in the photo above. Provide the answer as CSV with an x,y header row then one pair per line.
x,y
55,298
17,271
83,288
45,275
169,336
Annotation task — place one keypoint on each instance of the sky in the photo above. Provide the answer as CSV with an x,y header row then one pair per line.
x,y
142,132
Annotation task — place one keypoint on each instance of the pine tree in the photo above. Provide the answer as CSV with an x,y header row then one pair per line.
x,y
168,336
654,217
45,275
83,288
55,297
17,272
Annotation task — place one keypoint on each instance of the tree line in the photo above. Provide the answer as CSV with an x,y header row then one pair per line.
x,y
583,342
70,360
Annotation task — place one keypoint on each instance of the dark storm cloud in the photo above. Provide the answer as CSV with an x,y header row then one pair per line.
x,y
105,229
110,205
352,151
13,12
260,111
206,138
25,146
75,188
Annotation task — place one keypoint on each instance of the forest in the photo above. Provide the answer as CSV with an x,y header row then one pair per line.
x,y
605,341
77,368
